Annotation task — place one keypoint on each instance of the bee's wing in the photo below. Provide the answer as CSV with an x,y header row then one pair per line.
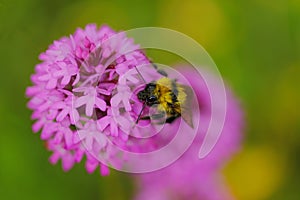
x,y
186,109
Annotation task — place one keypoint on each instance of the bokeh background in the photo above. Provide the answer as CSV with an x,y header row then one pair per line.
x,y
255,44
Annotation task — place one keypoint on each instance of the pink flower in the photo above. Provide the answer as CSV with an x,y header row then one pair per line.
x,y
76,91
84,102
89,99
190,177
91,137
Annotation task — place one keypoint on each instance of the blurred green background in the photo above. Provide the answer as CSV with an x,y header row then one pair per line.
x,y
255,44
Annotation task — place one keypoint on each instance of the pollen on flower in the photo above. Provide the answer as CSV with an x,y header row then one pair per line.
x,y
82,95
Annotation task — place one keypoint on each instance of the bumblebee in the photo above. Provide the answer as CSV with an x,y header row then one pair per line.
x,y
170,98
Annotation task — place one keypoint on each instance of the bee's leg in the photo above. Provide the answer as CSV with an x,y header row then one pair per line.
x,y
162,72
137,120
158,116
154,116
171,119
145,118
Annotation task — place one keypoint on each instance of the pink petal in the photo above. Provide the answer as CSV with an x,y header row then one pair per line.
x,y
78,155
104,170
106,52
67,162
90,166
54,158
103,122
30,91
89,107
85,54
132,79
100,103
76,79
37,126
69,138
45,77
74,116
78,136
89,143
58,137
102,91
44,106
113,129
127,104
101,140
115,100
124,136
52,114
58,105
65,80
62,115
78,52
48,131
51,83
124,122
58,73
36,115
80,101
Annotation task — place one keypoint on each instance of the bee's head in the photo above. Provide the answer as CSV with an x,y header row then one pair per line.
x,y
148,95
142,96
151,100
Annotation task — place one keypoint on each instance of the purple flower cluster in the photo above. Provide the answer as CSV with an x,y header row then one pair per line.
x,y
84,102
78,93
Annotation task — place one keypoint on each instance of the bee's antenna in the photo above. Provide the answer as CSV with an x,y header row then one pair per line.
x,y
137,120
140,74
160,71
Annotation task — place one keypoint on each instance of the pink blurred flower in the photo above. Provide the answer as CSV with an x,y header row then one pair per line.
x,y
190,177
84,102
75,89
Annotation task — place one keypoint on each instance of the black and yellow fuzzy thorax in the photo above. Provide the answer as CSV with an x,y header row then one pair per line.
x,y
167,94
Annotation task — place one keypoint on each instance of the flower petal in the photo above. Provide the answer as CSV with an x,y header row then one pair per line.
x,y
90,107
100,103
103,122
51,83
62,115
